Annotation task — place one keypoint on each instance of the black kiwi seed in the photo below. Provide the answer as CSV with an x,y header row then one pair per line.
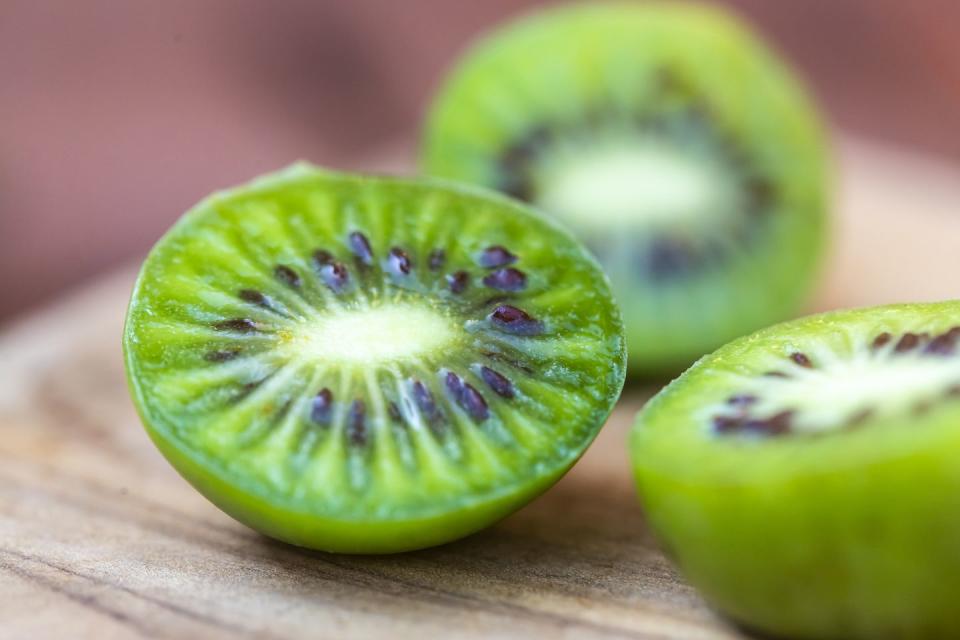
x,y
859,417
666,80
519,155
254,297
458,281
322,406
907,342
356,423
945,343
922,407
473,403
424,401
286,275
221,356
514,185
508,279
741,400
322,257
394,411
438,257
361,248
775,374
777,424
454,385
497,381
881,340
761,192
247,388
495,256
515,321
668,257
469,399
239,325
724,424
335,276
801,359
399,261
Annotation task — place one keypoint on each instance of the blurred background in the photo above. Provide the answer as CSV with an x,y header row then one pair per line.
x,y
117,116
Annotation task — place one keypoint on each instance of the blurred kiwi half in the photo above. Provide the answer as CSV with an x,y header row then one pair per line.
x,y
672,140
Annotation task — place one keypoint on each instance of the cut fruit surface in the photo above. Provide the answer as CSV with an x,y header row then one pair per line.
x,y
370,365
667,137
805,477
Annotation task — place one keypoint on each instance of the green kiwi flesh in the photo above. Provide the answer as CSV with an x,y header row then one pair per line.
x,y
669,139
805,478
370,365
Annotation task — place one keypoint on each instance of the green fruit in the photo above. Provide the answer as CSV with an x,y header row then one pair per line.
x,y
370,365
806,478
669,139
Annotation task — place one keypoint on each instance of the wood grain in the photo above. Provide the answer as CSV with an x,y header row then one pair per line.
x,y
100,538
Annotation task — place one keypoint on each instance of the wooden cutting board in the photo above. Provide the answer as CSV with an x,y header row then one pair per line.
x,y
100,538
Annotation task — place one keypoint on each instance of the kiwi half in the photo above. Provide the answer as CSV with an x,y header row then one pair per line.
x,y
670,140
370,365
805,478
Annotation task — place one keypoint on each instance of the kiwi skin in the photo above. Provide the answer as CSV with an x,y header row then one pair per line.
x,y
307,529
846,535
306,523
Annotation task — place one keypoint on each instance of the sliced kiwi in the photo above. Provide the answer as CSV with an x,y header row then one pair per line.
x,y
370,365
671,140
806,478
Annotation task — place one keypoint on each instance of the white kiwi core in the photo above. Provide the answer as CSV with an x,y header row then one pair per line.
x,y
848,387
371,336
839,387
646,185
